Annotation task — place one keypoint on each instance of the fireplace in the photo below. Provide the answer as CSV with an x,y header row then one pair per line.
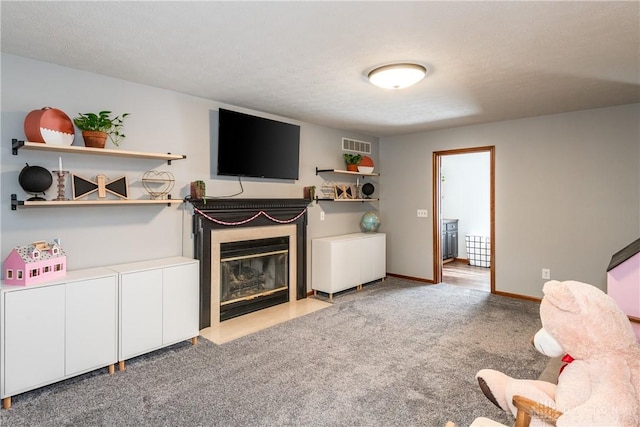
x,y
253,272
252,255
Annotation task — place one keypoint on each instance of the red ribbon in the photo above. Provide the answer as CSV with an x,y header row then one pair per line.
x,y
566,359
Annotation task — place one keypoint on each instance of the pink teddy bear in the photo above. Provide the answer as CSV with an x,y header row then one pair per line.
x,y
600,383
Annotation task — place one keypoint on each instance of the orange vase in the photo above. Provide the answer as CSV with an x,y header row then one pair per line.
x,y
352,168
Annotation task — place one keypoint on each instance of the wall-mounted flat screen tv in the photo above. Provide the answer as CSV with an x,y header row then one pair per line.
x,y
257,147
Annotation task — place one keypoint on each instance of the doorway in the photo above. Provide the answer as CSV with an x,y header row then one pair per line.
x,y
438,243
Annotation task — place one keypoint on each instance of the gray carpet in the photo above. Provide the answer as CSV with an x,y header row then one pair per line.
x,y
398,353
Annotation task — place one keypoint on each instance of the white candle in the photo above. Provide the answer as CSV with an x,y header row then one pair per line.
x,y
60,164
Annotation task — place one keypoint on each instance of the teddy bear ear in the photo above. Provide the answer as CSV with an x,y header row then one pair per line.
x,y
561,295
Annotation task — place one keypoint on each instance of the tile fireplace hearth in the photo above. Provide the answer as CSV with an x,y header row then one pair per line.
x,y
252,255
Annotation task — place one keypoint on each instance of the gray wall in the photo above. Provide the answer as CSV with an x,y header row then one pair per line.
x,y
160,121
567,195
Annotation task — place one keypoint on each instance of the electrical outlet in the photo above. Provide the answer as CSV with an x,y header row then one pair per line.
x,y
423,213
546,273
321,215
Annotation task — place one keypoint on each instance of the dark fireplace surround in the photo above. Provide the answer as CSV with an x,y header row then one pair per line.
x,y
238,211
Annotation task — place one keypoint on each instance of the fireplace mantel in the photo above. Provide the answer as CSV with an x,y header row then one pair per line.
x,y
221,205
219,214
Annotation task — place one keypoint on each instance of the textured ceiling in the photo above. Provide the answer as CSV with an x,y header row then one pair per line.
x,y
487,61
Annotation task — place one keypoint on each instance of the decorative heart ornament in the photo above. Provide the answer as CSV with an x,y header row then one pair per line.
x,y
158,184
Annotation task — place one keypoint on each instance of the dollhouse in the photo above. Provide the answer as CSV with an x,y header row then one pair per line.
x,y
623,282
35,263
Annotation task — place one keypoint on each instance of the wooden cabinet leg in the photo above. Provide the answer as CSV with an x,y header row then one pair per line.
x,y
121,365
194,340
112,369
330,297
6,403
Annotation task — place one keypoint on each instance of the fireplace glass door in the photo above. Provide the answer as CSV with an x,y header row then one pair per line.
x,y
254,274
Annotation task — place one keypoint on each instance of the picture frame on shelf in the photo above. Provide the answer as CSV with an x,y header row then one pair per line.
x,y
328,190
344,192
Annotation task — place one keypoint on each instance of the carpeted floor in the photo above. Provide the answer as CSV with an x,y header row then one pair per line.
x,y
398,353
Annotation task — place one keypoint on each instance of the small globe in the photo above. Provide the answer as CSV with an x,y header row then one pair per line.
x,y
370,222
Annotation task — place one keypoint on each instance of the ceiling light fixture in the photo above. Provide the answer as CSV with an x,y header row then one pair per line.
x,y
397,76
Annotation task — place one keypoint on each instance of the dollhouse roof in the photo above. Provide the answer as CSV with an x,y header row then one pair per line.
x,y
624,254
25,253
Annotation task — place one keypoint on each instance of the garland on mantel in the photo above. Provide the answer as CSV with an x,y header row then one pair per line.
x,y
245,221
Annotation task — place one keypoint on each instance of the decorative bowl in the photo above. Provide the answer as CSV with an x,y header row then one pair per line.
x,y
365,169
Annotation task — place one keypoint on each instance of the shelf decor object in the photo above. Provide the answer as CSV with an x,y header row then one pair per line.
x,y
366,165
309,192
158,184
198,189
82,187
35,263
35,180
328,190
49,126
344,192
62,179
352,161
97,127
370,222
367,190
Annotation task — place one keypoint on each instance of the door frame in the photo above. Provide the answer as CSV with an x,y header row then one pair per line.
x,y
437,205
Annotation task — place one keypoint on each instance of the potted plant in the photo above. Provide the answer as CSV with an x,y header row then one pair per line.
x,y
198,190
352,160
97,127
310,192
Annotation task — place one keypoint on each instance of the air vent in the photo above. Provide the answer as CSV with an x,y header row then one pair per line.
x,y
363,147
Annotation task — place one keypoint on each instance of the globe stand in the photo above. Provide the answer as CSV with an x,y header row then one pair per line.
x,y
62,179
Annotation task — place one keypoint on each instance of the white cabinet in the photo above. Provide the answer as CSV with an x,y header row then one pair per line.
x,y
140,312
57,330
347,261
372,257
180,302
159,304
34,338
91,324
93,318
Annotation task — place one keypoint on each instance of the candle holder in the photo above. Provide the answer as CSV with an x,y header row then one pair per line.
x,y
62,179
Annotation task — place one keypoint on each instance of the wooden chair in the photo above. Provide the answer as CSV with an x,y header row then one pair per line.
x,y
527,409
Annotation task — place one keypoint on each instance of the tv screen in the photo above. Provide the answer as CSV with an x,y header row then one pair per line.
x,y
257,147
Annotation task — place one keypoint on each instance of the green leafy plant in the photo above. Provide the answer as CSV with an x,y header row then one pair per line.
x,y
102,122
310,192
352,159
198,190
